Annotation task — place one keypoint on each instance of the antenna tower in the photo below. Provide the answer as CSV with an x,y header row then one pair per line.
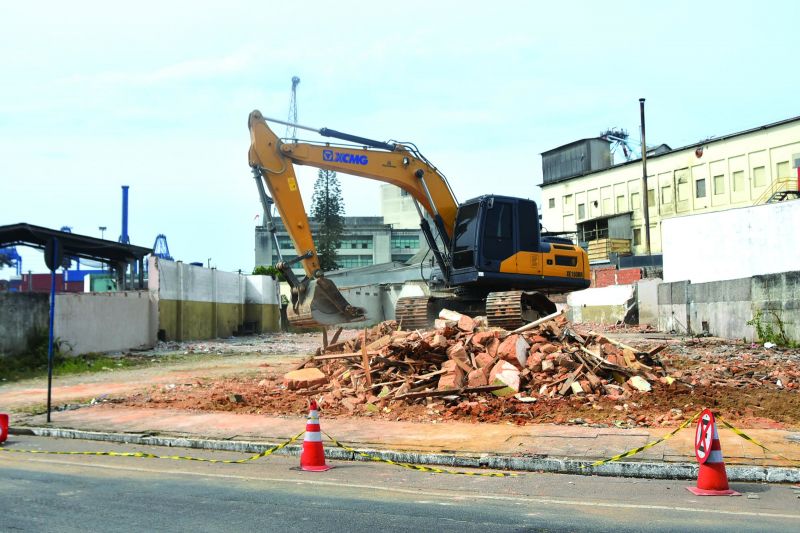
x,y
291,131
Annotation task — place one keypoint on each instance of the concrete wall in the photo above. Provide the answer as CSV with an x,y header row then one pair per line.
x,y
723,308
200,303
647,301
733,244
105,321
606,305
21,315
84,322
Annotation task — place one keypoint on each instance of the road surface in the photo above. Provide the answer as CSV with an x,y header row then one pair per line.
x,y
92,493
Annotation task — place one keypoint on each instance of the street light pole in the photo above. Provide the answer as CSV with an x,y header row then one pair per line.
x,y
102,231
644,181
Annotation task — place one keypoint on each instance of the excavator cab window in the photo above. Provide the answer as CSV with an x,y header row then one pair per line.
x,y
528,224
464,235
498,233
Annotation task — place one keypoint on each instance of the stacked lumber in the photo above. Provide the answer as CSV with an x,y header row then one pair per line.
x,y
462,355
601,248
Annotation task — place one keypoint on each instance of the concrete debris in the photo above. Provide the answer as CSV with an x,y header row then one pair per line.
x,y
462,356
304,378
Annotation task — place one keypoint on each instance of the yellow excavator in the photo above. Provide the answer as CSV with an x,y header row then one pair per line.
x,y
491,256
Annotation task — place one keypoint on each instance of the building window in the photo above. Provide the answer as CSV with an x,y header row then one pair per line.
x,y
651,197
551,203
760,175
636,203
405,242
719,184
354,261
700,188
620,204
356,242
607,206
782,170
637,236
738,181
666,194
285,243
682,179
402,258
581,211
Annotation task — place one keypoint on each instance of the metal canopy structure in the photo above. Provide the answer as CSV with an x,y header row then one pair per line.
x,y
117,255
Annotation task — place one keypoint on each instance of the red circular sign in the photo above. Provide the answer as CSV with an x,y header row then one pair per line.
x,y
704,435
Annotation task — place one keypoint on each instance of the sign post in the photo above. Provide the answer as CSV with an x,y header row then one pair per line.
x,y
52,258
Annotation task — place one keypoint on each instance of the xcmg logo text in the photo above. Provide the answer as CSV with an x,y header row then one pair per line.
x,y
343,157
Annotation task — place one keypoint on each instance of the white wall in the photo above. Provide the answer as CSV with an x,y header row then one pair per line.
x,y
181,281
738,243
106,321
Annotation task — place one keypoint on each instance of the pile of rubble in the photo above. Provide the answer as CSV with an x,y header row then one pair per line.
x,y
462,355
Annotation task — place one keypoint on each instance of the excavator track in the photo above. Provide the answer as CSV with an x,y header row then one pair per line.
x,y
512,309
412,312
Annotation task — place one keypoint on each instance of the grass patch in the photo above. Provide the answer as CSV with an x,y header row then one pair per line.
x,y
33,363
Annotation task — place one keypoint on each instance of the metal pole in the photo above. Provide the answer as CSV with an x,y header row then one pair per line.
x,y
644,181
50,336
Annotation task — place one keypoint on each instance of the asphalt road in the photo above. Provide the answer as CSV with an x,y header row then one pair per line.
x,y
89,493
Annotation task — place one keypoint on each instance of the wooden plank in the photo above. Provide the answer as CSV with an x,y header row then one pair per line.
x,y
568,383
535,323
348,355
304,362
336,335
448,392
365,360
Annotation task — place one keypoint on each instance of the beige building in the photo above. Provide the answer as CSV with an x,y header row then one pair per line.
x,y
397,208
581,193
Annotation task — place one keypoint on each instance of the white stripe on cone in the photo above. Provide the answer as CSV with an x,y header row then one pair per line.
x,y
715,457
313,436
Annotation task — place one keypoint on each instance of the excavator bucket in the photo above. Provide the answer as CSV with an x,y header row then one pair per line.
x,y
321,304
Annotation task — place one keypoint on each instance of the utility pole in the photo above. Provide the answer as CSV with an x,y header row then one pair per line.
x,y
291,131
102,231
644,181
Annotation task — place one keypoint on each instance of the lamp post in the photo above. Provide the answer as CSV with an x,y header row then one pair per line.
x,y
102,231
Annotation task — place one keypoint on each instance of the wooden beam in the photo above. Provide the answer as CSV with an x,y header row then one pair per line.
x,y
365,360
336,336
535,323
348,355
449,392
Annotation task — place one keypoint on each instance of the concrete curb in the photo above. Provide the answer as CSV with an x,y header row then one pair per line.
x,y
633,469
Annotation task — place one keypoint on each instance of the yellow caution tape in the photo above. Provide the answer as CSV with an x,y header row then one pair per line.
x,y
745,436
145,455
645,447
419,468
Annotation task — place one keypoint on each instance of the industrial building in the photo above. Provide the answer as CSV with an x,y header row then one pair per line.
x,y
584,194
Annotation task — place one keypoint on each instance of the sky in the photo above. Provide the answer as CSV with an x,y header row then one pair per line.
x,y
155,95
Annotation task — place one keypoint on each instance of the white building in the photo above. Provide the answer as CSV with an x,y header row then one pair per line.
x,y
581,192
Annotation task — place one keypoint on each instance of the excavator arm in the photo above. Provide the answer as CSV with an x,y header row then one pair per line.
x,y
316,299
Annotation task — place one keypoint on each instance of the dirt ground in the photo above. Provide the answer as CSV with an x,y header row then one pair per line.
x,y
750,385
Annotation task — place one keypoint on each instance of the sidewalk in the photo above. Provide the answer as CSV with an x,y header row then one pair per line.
x,y
563,443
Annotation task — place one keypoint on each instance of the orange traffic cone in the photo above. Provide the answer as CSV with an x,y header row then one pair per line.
x,y
712,480
312,458
3,427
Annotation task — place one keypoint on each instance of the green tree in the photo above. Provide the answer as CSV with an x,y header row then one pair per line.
x,y
327,209
269,270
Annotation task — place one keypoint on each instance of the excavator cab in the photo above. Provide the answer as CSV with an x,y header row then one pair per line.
x,y
497,243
